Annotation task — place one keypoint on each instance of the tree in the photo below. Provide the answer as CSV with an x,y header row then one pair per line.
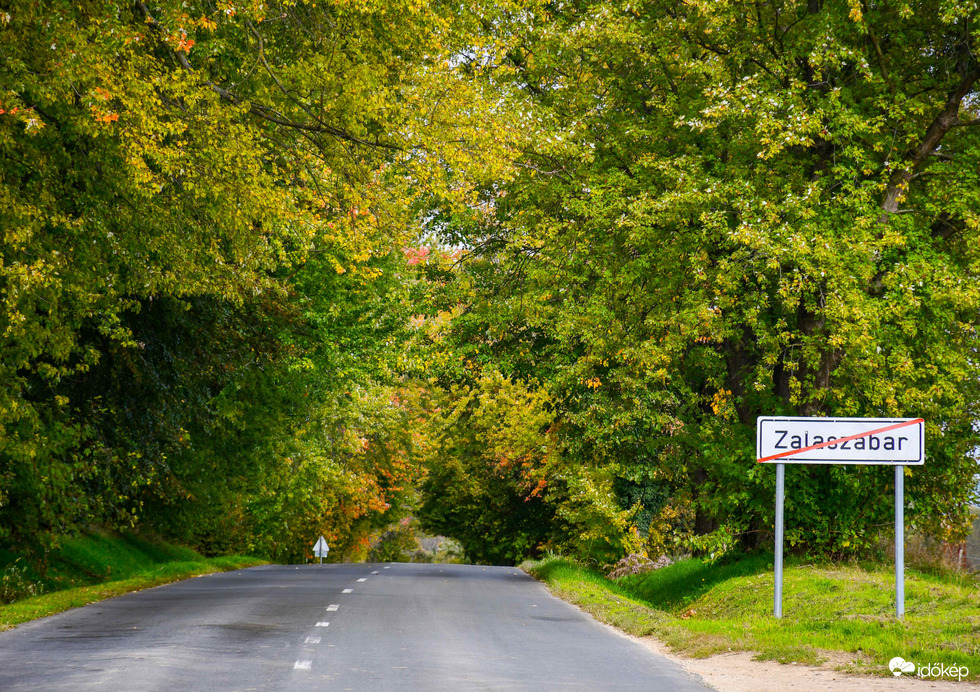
x,y
733,210
173,176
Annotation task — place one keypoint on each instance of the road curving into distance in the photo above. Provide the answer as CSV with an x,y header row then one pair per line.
x,y
355,627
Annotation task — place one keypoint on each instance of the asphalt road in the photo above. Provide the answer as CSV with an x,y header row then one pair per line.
x,y
334,627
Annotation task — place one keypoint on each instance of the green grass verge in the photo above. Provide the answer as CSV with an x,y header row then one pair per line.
x,y
701,608
94,567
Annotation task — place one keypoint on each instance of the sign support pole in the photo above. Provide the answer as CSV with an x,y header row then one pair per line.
x,y
778,567
899,541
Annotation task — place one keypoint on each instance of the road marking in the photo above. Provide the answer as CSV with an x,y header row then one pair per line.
x,y
312,640
322,624
375,572
362,579
387,567
302,665
348,591
332,607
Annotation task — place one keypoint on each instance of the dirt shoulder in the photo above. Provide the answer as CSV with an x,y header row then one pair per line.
x,y
738,672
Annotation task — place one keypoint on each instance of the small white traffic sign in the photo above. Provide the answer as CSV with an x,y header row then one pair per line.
x,y
321,548
788,440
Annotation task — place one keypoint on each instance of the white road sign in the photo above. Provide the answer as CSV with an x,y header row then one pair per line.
x,y
788,440
321,548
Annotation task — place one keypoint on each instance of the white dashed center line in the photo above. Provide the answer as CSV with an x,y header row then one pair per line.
x,y
332,607
362,579
348,591
312,640
387,567
302,665
322,624
375,572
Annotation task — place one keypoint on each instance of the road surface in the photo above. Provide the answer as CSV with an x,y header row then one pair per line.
x,y
334,627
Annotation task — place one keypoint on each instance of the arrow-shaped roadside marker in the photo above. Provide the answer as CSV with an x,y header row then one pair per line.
x,y
321,549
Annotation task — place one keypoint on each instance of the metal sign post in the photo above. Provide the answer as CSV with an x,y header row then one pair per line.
x,y
899,541
786,440
777,608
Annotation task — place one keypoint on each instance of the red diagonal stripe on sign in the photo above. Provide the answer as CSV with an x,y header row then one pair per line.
x,y
839,440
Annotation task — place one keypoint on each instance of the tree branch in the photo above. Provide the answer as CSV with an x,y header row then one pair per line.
x,y
265,112
941,124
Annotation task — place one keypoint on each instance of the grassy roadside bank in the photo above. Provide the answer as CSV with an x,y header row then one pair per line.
x,y
699,609
95,567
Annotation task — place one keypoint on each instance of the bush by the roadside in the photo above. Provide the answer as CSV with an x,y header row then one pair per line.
x,y
16,581
636,563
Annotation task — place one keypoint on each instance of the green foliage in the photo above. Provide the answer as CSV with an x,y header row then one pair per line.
x,y
397,544
485,482
725,212
595,526
266,267
16,582
203,209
